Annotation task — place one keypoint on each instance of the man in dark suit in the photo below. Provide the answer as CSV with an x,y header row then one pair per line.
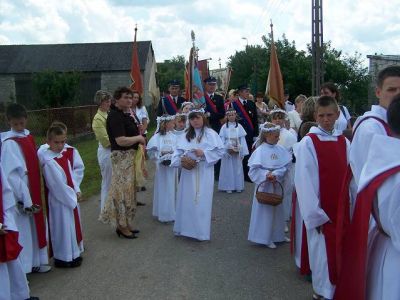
x,y
247,112
171,104
214,103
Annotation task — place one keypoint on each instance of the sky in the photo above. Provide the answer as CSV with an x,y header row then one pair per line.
x,y
222,27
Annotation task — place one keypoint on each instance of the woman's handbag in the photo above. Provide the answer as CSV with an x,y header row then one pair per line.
x,y
274,198
188,163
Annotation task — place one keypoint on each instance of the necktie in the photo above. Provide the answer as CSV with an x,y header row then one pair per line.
x,y
211,96
244,102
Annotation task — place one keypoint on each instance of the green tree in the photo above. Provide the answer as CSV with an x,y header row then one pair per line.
x,y
347,71
169,70
53,89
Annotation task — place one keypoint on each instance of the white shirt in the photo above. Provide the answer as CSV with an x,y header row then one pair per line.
x,y
295,120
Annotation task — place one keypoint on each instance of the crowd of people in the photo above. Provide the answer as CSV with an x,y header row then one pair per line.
x,y
335,183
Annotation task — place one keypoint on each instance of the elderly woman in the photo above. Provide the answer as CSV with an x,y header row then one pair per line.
x,y
120,207
141,117
103,100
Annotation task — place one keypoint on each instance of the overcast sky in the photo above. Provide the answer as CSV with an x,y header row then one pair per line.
x,y
366,26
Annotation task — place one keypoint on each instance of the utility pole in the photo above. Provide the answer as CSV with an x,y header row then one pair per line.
x,y
317,47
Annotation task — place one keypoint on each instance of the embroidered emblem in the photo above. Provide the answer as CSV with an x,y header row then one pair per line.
x,y
274,156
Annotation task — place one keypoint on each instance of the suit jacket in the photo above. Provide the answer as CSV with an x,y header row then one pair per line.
x,y
165,108
251,109
215,117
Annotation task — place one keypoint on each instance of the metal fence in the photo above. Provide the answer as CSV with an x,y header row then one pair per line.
x,y
78,120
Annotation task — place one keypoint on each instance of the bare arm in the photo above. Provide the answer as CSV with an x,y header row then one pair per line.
x,y
126,141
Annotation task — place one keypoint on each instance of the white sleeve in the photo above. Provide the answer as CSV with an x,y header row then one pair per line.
x,y
14,167
214,155
346,113
306,181
78,170
57,185
176,158
243,145
258,174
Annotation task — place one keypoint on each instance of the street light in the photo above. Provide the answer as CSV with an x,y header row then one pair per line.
x,y
247,41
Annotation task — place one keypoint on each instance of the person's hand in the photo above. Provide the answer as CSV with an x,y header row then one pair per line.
x,y
271,178
141,139
320,228
79,196
199,152
3,229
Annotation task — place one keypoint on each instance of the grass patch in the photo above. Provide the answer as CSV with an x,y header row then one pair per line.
x,y
91,183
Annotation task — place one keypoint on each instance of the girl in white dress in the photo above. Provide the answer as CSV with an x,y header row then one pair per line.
x,y
160,149
203,148
268,163
231,176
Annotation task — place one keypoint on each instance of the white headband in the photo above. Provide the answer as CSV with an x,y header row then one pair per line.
x,y
197,110
187,103
277,110
269,129
165,118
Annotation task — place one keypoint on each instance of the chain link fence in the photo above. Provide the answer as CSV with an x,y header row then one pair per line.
x,y
78,120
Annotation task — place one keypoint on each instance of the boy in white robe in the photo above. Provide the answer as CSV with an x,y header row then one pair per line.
x,y
321,164
14,285
160,148
63,194
268,165
370,264
195,190
21,168
231,177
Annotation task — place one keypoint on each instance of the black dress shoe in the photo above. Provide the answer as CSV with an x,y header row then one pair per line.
x,y
135,231
61,264
140,203
143,188
76,262
131,236
33,298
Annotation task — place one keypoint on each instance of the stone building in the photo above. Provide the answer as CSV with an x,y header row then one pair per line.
x,y
102,66
377,63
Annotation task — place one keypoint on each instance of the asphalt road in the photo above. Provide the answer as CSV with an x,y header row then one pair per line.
x,y
159,265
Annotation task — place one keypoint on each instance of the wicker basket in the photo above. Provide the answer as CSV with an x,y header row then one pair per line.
x,y
188,163
273,199
233,151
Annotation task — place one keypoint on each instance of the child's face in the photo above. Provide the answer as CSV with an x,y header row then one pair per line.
x,y
57,142
231,117
197,122
277,120
179,124
272,137
186,109
17,124
327,116
170,125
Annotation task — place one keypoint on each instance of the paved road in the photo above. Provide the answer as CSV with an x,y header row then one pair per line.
x,y
159,265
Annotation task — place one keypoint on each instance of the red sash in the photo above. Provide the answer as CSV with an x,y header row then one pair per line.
x,y
63,162
9,246
172,103
244,113
304,259
28,148
352,278
332,166
210,103
383,123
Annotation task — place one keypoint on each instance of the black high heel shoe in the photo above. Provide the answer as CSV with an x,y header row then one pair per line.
x,y
119,233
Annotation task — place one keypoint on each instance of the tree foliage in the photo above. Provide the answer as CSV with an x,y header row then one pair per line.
x,y
169,70
347,71
53,89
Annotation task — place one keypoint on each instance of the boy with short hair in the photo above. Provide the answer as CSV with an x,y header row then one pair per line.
x,y
320,167
21,168
63,195
371,258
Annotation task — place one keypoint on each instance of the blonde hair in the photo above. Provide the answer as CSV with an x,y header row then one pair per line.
x,y
307,112
101,96
262,137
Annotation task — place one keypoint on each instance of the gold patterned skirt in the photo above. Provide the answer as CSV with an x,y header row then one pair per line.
x,y
120,206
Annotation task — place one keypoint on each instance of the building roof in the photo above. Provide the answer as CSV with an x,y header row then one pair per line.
x,y
384,57
88,57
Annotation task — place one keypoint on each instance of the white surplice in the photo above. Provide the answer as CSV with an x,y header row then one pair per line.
x,y
307,187
231,175
384,251
195,189
62,201
267,223
287,139
160,148
13,283
15,170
